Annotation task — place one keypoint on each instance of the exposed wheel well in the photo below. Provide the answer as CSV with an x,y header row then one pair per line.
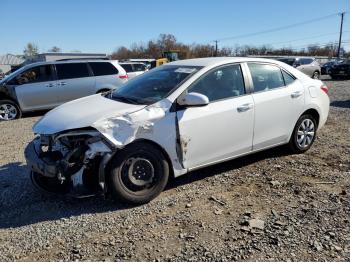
x,y
154,144
314,114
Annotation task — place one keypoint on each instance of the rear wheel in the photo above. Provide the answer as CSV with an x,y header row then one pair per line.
x,y
304,134
139,173
9,110
316,75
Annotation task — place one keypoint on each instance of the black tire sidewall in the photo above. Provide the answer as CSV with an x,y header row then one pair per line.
x,y
293,141
19,112
161,167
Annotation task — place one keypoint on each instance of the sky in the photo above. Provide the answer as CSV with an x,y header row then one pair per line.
x,y
103,25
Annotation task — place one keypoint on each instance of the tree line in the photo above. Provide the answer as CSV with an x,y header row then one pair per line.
x,y
167,42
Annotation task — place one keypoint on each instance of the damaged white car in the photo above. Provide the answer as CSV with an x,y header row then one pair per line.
x,y
179,117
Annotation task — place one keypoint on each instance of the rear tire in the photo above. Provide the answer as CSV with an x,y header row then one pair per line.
x,y
9,110
316,75
303,135
139,173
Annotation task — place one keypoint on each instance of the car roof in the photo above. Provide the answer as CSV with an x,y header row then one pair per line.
x,y
212,61
134,63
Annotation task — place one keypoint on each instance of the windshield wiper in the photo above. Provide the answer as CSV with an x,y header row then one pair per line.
x,y
126,99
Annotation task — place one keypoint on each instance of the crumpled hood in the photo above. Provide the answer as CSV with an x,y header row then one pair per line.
x,y
81,113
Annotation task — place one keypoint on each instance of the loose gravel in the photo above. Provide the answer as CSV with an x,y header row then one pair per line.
x,y
271,206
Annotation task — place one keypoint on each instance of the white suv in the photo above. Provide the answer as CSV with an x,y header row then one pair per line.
x,y
45,85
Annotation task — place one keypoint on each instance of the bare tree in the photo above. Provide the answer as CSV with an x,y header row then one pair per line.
x,y
55,49
30,50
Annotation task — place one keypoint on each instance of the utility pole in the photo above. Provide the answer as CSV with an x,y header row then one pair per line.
x,y
216,47
340,34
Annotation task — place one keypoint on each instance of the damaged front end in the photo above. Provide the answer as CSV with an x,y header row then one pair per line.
x,y
71,162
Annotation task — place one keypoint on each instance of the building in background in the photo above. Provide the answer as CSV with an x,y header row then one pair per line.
x,y
8,62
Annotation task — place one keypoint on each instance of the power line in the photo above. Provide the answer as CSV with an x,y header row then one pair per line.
x,y
279,28
305,38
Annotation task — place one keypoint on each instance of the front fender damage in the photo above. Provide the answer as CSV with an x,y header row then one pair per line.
x,y
80,157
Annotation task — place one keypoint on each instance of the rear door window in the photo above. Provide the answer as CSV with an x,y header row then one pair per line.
x,y
103,68
265,77
72,70
35,75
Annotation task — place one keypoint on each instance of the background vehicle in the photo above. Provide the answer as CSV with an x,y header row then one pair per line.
x,y
326,67
173,119
45,85
133,69
307,65
341,70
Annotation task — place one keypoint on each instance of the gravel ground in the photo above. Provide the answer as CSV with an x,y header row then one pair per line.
x,y
270,206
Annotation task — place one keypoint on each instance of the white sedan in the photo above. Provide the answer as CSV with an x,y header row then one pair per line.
x,y
171,120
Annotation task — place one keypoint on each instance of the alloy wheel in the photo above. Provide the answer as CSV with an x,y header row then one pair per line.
x,y
8,112
306,133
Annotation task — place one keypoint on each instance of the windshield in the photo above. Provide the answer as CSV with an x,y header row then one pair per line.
x,y
154,85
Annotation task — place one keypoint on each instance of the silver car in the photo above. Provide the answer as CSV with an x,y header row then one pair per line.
x,y
45,85
307,65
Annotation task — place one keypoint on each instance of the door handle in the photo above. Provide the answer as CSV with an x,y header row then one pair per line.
x,y
62,83
244,107
49,85
296,94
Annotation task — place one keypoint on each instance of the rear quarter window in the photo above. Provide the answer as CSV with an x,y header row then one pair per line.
x,y
103,68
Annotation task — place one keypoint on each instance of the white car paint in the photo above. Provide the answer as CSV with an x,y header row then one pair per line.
x,y
208,134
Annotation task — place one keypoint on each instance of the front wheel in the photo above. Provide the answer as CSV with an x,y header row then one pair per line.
x,y
9,110
139,173
304,134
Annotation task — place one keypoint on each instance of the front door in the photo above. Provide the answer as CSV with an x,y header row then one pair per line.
x,y
36,88
223,128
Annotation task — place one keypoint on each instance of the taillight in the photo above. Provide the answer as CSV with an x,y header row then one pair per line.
x,y
124,76
324,88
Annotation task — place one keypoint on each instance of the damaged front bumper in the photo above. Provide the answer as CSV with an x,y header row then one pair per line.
x,y
38,163
77,169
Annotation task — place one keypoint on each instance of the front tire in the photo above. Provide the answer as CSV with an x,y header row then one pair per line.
x,y
304,134
9,110
139,173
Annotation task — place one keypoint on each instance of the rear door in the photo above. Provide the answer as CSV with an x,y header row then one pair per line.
x,y
223,128
36,88
279,101
74,81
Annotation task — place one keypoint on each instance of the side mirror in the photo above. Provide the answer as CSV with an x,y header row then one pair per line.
x,y
297,64
193,99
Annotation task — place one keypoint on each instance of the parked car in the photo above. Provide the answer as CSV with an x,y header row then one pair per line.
x,y
45,85
326,67
341,70
171,120
134,69
307,65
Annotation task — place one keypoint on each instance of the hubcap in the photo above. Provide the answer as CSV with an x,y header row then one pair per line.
x,y
306,133
316,75
140,171
7,112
